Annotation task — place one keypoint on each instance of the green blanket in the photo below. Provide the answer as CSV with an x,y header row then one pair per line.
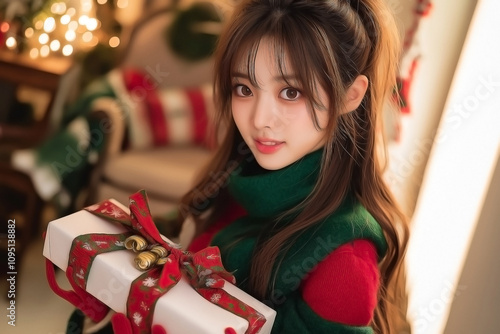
x,y
60,166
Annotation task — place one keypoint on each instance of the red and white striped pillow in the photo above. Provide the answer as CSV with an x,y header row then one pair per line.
x,y
163,116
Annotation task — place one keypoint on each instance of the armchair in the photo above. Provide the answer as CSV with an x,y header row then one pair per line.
x,y
154,128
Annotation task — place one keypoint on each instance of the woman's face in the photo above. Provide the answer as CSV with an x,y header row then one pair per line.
x,y
273,118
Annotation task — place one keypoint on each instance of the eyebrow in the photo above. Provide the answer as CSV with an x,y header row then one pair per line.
x,y
289,77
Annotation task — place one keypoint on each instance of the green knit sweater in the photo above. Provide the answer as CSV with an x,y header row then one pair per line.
x,y
265,194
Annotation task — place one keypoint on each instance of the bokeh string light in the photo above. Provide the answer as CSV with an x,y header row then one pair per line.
x,y
62,28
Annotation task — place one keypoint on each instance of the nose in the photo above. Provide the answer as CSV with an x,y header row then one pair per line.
x,y
265,112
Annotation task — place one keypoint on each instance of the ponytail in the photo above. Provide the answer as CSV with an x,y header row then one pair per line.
x,y
381,70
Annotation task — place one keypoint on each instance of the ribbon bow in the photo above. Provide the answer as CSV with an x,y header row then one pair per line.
x,y
204,270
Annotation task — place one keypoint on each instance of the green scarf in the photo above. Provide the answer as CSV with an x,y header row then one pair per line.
x,y
265,195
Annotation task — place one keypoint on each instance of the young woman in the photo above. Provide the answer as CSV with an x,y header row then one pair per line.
x,y
294,197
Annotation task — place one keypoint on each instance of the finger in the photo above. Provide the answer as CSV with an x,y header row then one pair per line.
x,y
121,324
158,329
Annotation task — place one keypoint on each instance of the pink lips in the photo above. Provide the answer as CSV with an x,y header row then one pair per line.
x,y
268,146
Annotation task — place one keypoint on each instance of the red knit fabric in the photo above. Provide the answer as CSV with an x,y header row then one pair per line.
x,y
343,287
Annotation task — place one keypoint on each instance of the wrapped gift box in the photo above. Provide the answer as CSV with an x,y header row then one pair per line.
x,y
181,310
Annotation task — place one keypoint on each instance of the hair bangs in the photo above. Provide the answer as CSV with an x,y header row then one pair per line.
x,y
291,44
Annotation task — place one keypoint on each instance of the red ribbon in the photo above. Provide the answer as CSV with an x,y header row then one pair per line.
x,y
203,270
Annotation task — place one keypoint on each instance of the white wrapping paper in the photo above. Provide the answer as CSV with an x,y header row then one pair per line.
x,y
181,310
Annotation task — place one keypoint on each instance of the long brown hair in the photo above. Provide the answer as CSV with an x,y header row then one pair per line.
x,y
328,43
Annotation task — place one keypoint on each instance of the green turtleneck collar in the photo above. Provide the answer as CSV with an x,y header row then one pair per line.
x,y
267,194
270,193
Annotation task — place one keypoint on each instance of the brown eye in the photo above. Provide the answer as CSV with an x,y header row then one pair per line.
x,y
290,94
242,90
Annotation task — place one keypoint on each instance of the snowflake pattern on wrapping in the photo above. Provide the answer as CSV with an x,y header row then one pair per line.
x,y
144,307
213,257
113,211
215,298
137,318
205,272
101,243
81,274
210,282
149,282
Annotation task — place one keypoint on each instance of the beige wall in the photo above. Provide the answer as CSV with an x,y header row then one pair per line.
x,y
440,39
452,272
476,305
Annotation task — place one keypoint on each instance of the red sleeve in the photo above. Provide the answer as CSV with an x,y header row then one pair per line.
x,y
343,288
234,212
